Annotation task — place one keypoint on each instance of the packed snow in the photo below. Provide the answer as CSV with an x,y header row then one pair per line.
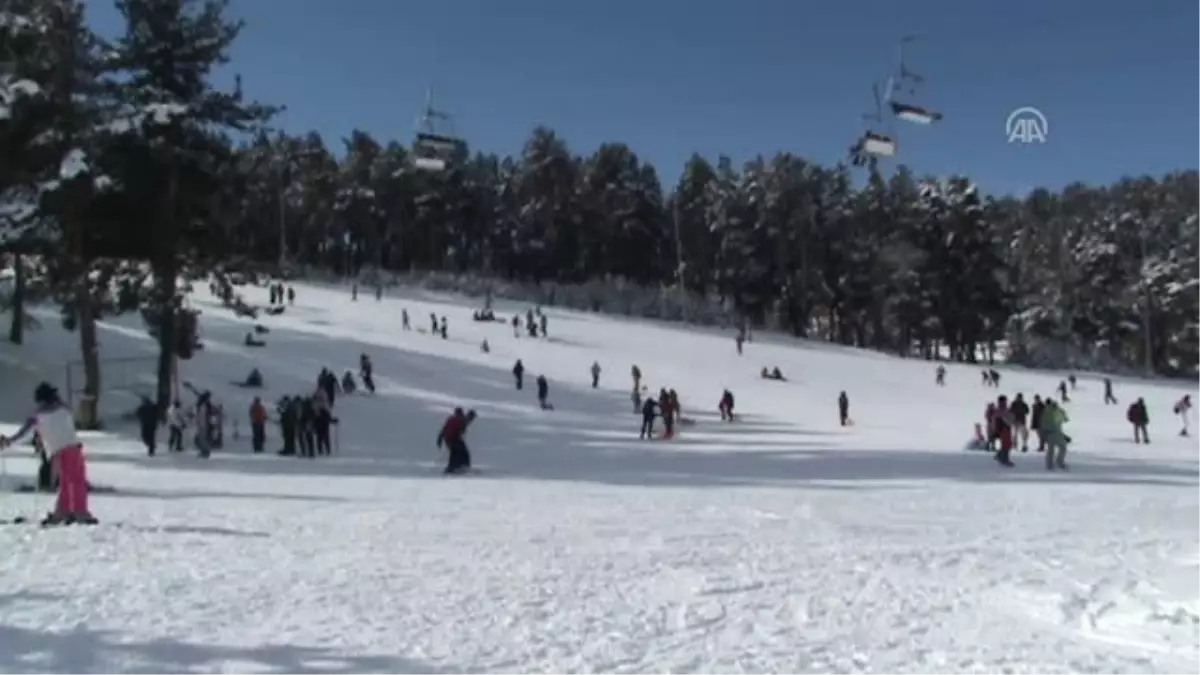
x,y
781,542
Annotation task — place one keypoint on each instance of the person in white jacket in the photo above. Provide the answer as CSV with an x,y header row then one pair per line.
x,y
55,426
176,422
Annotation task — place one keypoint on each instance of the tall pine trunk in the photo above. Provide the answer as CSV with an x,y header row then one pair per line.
x,y
16,330
166,272
89,346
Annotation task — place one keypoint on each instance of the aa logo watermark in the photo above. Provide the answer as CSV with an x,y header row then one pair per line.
x,y
1026,125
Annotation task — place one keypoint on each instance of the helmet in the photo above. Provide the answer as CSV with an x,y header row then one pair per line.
x,y
45,393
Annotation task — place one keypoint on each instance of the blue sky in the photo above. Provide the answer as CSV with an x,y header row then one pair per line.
x,y
1117,80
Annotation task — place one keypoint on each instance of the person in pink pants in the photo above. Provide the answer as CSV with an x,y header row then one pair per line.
x,y
55,427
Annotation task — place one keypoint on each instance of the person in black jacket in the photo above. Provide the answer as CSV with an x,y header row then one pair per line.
x,y
288,423
649,411
322,420
1139,417
518,372
1020,413
543,392
306,429
147,416
843,409
1035,421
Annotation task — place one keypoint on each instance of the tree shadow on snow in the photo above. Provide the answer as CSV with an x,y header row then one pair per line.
x,y
591,436
83,650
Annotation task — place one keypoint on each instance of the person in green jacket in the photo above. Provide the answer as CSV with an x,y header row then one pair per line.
x,y
1053,418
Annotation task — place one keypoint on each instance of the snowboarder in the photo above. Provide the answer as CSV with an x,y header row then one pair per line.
x,y
1020,413
55,426
518,372
404,325
1139,417
148,418
649,410
595,374
726,406
1181,408
843,402
258,425
452,433
177,423
940,377
1109,399
543,393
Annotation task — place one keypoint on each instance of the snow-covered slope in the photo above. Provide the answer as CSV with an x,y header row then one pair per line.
x,y
782,542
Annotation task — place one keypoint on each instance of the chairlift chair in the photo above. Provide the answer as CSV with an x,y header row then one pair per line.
x,y
873,144
908,80
434,149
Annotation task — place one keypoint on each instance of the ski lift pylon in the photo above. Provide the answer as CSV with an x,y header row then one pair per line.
x,y
436,144
905,82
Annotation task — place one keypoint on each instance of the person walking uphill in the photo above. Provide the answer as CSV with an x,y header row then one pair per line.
x,y
147,417
1053,418
55,426
452,433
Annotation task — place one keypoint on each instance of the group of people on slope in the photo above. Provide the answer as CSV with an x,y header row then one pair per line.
x,y
1007,423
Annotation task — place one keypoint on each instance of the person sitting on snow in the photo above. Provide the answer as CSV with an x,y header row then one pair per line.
x,y
254,380
348,383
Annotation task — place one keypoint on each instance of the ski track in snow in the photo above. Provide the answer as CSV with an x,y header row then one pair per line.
x,y
781,543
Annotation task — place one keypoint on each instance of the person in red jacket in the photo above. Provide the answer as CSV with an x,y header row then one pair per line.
x,y
453,431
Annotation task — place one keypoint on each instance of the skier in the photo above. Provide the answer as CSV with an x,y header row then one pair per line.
x,y
1053,418
726,406
1181,408
518,372
649,410
1139,417
595,374
258,424
1062,392
364,371
147,416
1108,392
1035,421
940,378
452,434
55,426
843,409
404,325
178,422
1020,413
543,392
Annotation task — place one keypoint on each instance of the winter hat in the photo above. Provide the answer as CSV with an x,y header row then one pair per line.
x,y
45,393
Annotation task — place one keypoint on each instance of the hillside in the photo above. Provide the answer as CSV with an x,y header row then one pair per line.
x,y
782,542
